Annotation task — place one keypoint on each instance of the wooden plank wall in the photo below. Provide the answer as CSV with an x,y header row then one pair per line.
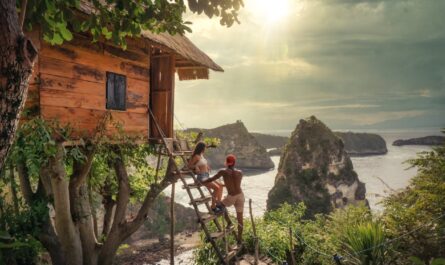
x,y
73,84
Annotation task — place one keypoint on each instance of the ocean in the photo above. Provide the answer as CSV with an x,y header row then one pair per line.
x,y
382,174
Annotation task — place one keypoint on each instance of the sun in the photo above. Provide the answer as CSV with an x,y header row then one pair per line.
x,y
271,11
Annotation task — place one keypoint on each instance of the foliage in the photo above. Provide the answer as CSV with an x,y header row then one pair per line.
x,y
35,144
117,19
17,240
191,137
420,207
417,261
315,240
365,244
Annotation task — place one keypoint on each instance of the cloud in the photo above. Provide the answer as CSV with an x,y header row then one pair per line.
x,y
350,62
426,93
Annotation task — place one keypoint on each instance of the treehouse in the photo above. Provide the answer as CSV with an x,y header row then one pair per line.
x,y
78,82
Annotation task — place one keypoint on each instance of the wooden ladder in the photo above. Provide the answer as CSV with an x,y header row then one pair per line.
x,y
174,149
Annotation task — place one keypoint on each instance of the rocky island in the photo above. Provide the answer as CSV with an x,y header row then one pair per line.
x,y
236,139
315,169
427,140
363,144
356,144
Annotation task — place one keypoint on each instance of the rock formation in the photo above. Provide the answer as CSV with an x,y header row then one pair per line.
x,y
270,141
363,144
427,140
315,169
356,144
235,139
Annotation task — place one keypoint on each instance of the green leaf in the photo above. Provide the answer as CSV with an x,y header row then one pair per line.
x,y
4,235
439,261
66,34
416,261
57,39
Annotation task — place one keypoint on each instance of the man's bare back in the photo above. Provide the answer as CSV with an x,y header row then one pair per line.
x,y
232,180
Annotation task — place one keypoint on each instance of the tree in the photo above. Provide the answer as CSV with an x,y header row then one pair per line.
x,y
65,179
112,19
417,212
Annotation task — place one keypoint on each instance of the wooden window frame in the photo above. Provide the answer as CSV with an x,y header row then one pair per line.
x,y
116,106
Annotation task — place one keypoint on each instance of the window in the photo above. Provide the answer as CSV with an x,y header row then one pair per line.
x,y
116,91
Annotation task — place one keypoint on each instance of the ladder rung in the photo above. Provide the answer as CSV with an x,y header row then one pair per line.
x,y
191,186
231,255
220,234
206,217
201,200
182,153
184,172
235,247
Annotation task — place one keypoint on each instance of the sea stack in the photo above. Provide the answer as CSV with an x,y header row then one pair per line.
x,y
236,139
315,169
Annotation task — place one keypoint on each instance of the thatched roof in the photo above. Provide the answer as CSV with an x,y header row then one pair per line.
x,y
198,63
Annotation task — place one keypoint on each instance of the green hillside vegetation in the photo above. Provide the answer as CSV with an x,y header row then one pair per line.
x,y
410,229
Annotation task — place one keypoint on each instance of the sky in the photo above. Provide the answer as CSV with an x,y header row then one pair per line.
x,y
354,64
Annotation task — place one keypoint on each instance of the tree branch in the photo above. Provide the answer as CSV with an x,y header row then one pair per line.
x,y
152,194
25,184
23,6
81,170
123,195
70,239
108,203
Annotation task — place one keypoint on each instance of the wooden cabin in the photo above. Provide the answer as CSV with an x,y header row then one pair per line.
x,y
79,81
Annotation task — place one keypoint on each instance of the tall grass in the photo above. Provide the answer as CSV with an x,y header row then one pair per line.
x,y
365,244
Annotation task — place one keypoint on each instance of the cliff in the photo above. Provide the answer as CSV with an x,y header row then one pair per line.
x,y
427,140
236,139
363,144
356,144
270,141
315,169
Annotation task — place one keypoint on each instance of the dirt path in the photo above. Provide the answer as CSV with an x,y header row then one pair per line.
x,y
151,251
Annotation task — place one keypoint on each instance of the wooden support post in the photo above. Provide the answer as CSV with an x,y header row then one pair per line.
x,y
226,242
158,165
291,242
172,226
254,232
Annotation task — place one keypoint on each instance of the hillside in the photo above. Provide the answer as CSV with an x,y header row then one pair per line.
x,y
363,144
236,139
270,141
356,144
427,140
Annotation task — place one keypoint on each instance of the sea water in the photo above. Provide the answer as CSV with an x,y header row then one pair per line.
x,y
382,174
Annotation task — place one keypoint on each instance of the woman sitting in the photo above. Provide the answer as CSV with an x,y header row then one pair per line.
x,y
200,166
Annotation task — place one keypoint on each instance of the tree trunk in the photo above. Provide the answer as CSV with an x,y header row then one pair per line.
x,y
49,240
84,221
67,232
17,55
123,230
81,208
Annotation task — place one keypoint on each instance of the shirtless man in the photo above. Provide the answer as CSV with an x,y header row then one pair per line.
x,y
232,180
